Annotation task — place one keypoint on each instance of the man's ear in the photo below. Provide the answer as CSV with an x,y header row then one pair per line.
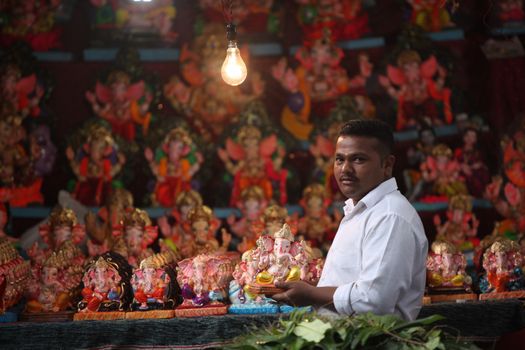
x,y
388,163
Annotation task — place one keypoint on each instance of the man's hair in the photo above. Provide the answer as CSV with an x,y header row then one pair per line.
x,y
372,128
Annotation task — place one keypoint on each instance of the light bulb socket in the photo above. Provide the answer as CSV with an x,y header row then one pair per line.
x,y
231,32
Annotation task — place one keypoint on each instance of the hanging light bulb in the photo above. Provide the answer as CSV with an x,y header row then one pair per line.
x,y
233,69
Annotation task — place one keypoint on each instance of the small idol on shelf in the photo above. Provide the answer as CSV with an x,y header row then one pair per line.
x,y
122,104
155,287
276,258
346,19
503,275
510,13
204,226
62,232
15,275
316,226
95,165
204,282
418,87
58,285
320,78
174,164
415,157
431,15
176,227
471,160
506,191
22,169
20,95
34,22
106,292
359,86
446,276
441,175
255,161
252,206
461,227
200,94
134,236
100,231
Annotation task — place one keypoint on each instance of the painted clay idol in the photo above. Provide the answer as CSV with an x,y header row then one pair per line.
x,y
503,277
254,160
204,281
174,164
134,236
106,292
176,227
276,258
316,226
155,286
122,103
472,162
418,86
95,165
446,276
252,206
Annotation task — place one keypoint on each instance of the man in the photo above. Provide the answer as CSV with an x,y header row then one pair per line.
x,y
377,260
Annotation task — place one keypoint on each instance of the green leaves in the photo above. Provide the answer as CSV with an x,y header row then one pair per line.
x,y
302,330
312,331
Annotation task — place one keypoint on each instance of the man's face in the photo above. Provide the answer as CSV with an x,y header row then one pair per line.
x,y
359,166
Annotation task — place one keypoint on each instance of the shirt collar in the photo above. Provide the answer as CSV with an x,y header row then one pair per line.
x,y
373,196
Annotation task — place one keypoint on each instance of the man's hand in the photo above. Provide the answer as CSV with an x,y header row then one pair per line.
x,y
300,293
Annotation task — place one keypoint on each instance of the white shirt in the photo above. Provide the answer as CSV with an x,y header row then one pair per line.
x,y
378,256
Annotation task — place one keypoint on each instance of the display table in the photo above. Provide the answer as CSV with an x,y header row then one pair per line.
x,y
476,321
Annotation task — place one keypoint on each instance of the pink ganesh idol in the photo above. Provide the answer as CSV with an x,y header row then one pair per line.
x,y
461,227
176,226
122,103
446,276
316,226
95,165
418,86
203,227
276,258
155,288
106,291
252,205
134,236
61,232
57,287
255,161
204,281
441,174
174,164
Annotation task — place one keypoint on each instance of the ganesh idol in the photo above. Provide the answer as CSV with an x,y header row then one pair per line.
x,y
106,289
174,164
95,164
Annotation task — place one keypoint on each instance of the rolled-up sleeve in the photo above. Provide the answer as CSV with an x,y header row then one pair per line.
x,y
386,271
